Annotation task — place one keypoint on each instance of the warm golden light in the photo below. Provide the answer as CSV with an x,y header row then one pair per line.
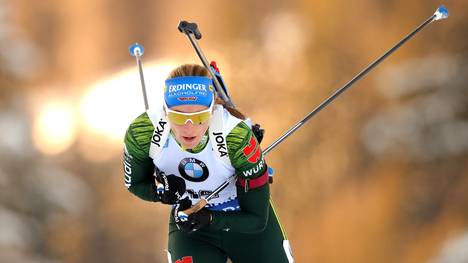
x,y
54,128
111,104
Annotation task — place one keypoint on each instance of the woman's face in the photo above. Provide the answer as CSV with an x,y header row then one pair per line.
x,y
189,135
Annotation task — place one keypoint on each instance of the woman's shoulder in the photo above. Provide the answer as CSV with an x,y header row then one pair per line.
x,y
245,152
238,137
139,133
141,125
237,131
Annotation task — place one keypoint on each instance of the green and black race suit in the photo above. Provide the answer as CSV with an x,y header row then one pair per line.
x,y
245,156
249,234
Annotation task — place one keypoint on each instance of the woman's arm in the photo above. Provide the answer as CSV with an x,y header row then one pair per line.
x,y
138,166
248,160
253,216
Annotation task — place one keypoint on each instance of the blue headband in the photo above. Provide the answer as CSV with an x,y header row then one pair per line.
x,y
188,90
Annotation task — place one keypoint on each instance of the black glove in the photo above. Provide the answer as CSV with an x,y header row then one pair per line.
x,y
170,188
192,222
258,132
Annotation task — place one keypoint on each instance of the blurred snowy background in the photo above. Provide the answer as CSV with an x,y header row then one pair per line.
x,y
381,175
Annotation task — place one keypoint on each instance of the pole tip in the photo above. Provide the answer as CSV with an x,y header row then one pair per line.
x,y
136,50
441,13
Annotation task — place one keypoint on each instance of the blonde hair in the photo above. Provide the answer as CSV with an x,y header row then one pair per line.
x,y
197,70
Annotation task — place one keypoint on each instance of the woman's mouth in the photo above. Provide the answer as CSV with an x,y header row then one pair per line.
x,y
188,138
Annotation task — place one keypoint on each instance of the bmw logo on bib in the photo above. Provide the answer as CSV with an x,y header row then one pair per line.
x,y
193,170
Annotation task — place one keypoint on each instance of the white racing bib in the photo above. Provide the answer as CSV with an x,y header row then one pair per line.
x,y
204,171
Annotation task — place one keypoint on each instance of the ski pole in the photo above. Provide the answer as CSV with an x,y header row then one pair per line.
x,y
441,13
136,50
193,33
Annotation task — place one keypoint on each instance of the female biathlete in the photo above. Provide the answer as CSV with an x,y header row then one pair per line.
x,y
190,146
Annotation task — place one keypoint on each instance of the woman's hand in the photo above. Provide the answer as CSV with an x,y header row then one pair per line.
x,y
192,222
170,188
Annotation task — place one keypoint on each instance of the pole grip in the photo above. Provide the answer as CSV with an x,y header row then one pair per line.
x,y
189,28
195,208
